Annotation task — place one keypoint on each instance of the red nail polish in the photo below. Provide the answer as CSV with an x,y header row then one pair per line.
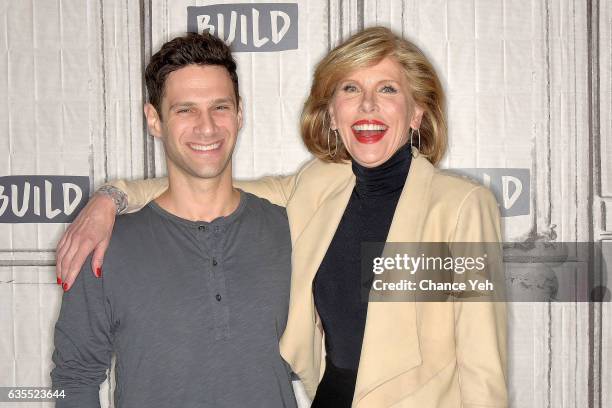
x,y
65,287
98,272
59,280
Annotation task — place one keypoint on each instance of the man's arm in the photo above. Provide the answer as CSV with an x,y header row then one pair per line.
x,y
83,343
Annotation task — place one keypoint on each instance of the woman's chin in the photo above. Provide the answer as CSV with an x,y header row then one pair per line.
x,y
370,160
369,155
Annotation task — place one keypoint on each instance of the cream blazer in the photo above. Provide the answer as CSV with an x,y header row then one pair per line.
x,y
414,354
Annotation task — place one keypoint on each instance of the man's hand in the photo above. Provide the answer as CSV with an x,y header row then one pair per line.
x,y
90,231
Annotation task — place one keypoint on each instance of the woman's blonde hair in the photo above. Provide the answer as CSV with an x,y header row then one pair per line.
x,y
367,48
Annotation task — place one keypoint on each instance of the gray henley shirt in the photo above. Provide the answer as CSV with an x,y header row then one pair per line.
x,y
193,312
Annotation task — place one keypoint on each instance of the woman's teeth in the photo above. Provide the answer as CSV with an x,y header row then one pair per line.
x,y
361,128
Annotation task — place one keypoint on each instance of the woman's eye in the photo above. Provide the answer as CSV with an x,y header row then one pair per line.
x,y
388,89
349,88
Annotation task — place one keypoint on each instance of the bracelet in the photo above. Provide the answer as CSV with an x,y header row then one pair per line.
x,y
118,196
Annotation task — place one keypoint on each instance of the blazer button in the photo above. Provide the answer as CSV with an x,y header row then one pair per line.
x,y
214,262
218,297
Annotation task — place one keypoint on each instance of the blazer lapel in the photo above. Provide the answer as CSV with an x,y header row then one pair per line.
x,y
391,343
321,229
298,343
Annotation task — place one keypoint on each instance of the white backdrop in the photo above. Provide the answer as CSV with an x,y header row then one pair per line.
x,y
529,85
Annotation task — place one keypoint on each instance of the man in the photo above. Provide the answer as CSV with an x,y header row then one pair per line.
x,y
195,290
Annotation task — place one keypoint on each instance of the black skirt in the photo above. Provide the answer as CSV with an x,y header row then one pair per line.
x,y
336,388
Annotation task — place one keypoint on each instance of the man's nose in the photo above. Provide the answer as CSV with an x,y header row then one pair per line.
x,y
205,124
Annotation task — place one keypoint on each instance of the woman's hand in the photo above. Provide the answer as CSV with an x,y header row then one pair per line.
x,y
90,231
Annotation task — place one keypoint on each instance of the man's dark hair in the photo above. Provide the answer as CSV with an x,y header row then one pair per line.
x,y
190,49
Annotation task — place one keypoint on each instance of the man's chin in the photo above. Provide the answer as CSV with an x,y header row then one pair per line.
x,y
192,169
208,172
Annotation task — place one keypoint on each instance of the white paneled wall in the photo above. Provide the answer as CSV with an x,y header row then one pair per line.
x,y
49,122
70,104
602,94
529,85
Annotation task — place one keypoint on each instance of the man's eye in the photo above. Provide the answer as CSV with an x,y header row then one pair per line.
x,y
222,107
183,110
388,89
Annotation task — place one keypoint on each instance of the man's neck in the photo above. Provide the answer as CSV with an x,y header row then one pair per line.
x,y
199,199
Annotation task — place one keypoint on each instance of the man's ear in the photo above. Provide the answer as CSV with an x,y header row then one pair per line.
x,y
239,113
153,120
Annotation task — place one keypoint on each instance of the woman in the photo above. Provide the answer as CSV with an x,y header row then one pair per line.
x,y
375,121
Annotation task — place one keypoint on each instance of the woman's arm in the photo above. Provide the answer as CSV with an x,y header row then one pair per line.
x,y
139,193
92,229
480,325
276,189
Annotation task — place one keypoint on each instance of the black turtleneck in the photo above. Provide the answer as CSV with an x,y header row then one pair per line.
x,y
338,284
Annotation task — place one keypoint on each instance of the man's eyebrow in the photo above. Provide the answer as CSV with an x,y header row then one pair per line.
x,y
188,104
182,104
223,100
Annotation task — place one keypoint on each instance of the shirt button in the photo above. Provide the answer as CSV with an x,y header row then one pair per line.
x,y
218,297
202,227
214,262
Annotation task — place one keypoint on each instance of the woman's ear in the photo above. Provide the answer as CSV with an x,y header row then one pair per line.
x,y
153,120
417,116
332,117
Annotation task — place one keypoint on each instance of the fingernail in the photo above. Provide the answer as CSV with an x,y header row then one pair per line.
x,y
59,280
65,287
98,272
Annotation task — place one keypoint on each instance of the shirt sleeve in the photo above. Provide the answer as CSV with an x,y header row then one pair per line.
x,y
83,343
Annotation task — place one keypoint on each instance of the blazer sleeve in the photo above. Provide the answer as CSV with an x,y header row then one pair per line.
x,y
480,325
140,192
276,189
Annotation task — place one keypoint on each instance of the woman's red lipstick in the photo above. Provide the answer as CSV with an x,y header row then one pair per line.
x,y
369,131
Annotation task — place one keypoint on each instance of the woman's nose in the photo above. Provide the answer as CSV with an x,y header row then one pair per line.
x,y
368,101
